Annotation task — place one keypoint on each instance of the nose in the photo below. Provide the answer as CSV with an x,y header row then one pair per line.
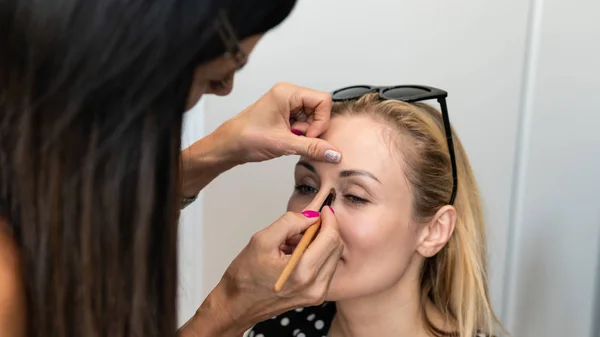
x,y
324,197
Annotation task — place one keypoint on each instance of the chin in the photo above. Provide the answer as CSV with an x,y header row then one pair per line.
x,y
347,284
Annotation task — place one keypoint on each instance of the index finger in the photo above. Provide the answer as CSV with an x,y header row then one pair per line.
x,y
316,103
326,242
289,225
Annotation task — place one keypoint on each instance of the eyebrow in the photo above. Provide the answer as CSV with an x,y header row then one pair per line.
x,y
343,174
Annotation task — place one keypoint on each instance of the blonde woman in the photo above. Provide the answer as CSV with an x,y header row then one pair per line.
x,y
410,220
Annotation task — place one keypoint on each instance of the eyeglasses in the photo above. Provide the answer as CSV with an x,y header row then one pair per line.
x,y
232,45
409,94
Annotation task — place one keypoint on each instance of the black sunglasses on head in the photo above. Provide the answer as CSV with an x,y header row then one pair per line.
x,y
409,94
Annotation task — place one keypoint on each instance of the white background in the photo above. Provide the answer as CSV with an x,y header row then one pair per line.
x,y
523,79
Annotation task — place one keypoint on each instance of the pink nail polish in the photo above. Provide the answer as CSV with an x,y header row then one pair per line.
x,y
310,214
331,209
297,132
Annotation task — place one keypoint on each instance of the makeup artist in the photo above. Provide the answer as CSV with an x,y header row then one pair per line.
x,y
92,178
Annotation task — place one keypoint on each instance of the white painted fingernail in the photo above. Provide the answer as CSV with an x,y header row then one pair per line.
x,y
332,156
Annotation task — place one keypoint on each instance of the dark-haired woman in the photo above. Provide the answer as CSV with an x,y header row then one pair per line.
x,y
92,95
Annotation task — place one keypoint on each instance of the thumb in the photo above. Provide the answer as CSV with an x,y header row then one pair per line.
x,y
314,148
289,225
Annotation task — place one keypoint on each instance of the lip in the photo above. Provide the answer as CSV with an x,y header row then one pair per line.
x,y
226,90
224,87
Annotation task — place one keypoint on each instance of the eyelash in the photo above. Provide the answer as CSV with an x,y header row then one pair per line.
x,y
302,189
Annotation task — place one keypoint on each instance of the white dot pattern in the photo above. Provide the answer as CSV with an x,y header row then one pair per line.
x,y
301,322
319,324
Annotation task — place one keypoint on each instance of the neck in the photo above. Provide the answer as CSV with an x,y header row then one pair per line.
x,y
395,311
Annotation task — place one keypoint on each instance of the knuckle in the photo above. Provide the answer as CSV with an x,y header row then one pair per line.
x,y
333,237
280,87
313,148
256,239
317,294
290,217
340,248
304,278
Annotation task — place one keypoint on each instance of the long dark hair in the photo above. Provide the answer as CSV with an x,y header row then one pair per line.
x,y
92,95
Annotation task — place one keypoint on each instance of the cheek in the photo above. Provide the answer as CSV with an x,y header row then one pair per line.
x,y
378,251
373,236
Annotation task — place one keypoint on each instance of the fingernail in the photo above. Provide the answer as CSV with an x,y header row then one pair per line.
x,y
311,214
332,156
331,209
297,132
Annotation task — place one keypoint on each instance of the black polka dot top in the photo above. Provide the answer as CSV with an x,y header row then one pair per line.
x,y
301,322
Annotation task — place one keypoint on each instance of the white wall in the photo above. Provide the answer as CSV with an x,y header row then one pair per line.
x,y
517,82
550,290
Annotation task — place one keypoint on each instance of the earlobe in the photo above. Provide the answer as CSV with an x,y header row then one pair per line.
x,y
438,231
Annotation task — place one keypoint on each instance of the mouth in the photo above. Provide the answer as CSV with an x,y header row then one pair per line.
x,y
223,87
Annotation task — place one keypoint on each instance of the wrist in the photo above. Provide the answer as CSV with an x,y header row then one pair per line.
x,y
214,317
205,160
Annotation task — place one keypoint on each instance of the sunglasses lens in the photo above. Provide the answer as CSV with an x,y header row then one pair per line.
x,y
401,93
350,93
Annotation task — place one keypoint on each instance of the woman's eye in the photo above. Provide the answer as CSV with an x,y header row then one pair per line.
x,y
305,189
355,200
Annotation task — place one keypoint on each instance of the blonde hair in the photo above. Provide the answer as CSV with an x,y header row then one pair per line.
x,y
455,279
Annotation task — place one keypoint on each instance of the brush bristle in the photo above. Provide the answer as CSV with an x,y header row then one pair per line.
x,y
329,200
332,191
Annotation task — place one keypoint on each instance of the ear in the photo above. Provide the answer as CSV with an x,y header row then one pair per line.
x,y
437,232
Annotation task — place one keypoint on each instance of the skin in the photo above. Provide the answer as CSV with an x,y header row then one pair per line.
x,y
261,132
376,284
209,76
12,293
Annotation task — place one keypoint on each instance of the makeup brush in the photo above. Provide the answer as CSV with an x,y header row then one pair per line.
x,y
309,234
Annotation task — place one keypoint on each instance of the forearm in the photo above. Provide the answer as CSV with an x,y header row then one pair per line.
x,y
205,160
212,319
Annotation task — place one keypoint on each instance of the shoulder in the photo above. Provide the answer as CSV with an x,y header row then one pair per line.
x,y
12,290
301,322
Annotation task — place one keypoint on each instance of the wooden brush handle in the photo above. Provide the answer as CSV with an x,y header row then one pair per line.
x,y
297,254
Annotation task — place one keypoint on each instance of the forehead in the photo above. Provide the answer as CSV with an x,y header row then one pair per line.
x,y
365,144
